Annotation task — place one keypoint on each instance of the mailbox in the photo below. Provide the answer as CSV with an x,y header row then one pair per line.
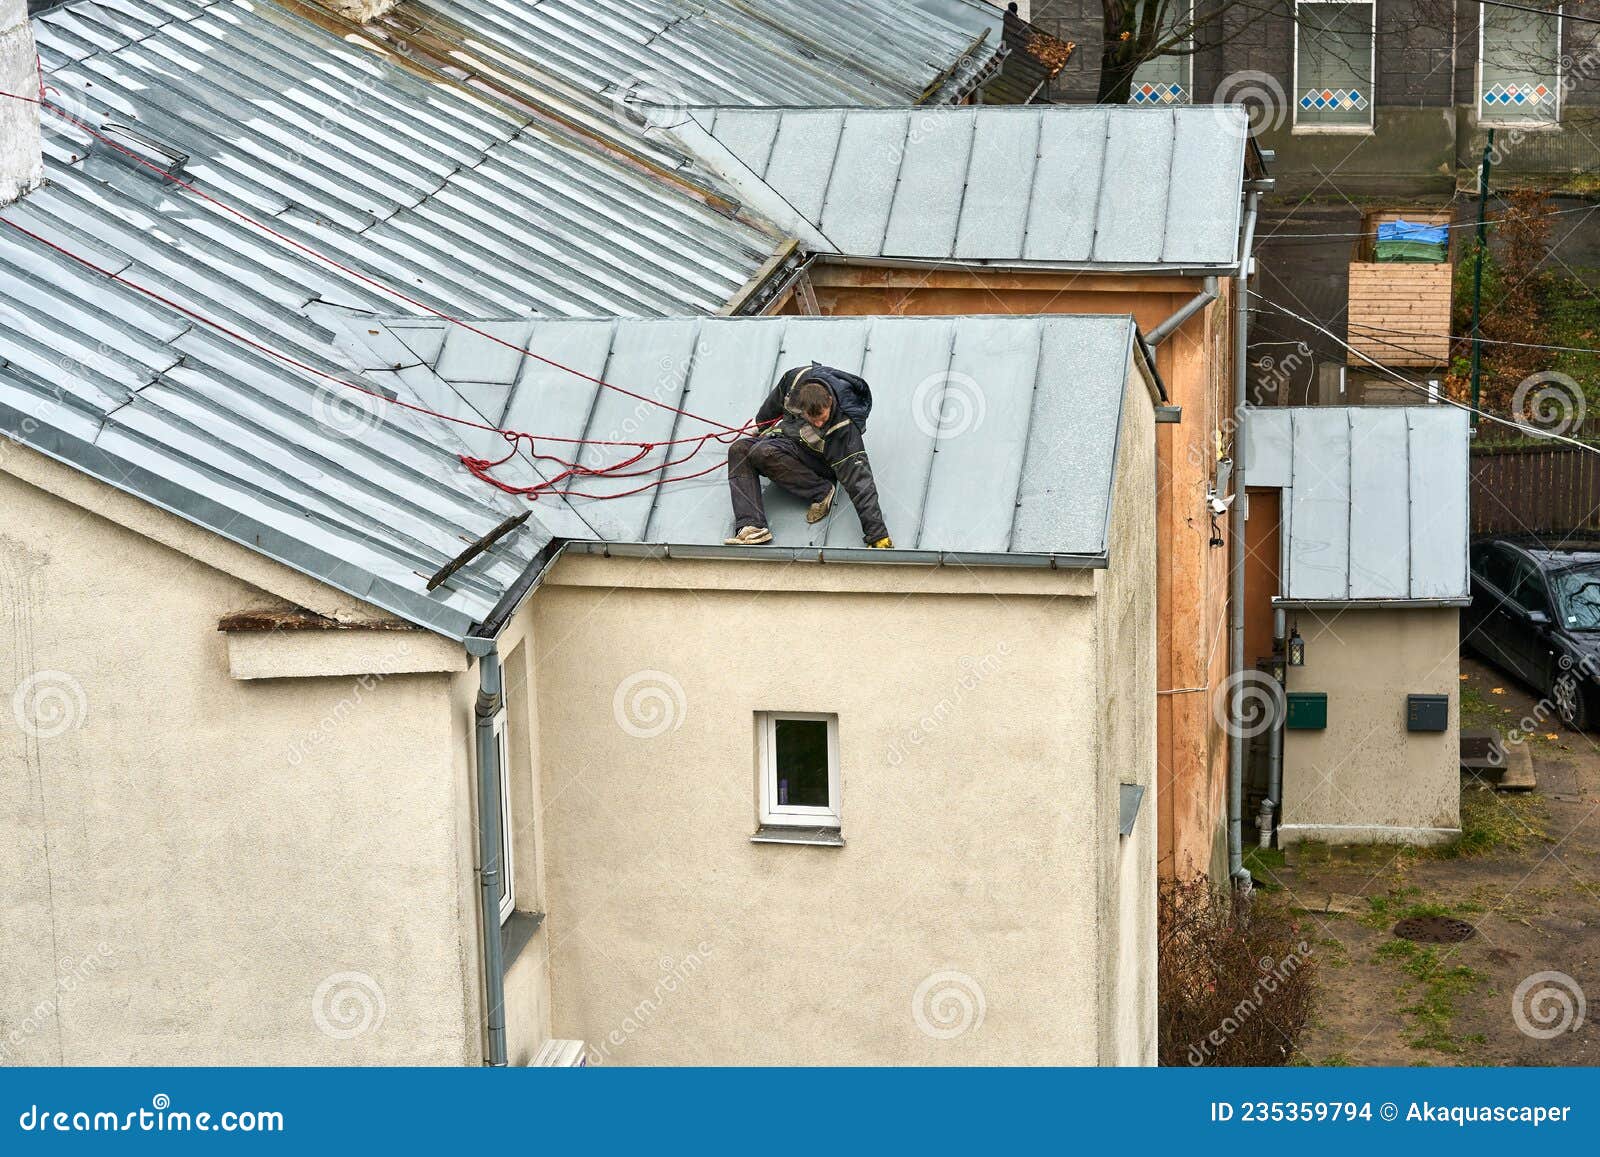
x,y
1427,712
1307,711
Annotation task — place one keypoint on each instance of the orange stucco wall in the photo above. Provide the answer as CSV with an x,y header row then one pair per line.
x,y
1195,365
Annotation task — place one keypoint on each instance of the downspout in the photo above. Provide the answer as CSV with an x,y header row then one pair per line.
x,y
1189,308
1275,736
1237,513
494,979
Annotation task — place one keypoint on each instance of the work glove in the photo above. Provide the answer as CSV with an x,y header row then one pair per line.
x,y
884,543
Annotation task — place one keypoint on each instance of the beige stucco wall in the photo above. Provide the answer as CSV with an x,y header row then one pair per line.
x,y
1127,644
1366,779
983,910
200,869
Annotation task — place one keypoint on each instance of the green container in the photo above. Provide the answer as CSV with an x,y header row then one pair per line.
x,y
1307,711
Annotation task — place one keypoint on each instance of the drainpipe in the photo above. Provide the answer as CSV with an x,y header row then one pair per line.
x,y
1275,736
1189,308
1241,343
494,978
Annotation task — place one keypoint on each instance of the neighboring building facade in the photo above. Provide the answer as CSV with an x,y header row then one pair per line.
x,y
196,711
1080,210
1358,527
1378,96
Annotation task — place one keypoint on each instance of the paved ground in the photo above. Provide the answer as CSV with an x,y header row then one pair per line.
x,y
1528,882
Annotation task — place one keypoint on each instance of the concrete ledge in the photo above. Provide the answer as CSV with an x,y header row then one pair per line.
x,y
320,654
1364,834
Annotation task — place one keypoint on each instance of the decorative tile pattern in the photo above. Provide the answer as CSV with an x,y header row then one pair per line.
x,y
1152,94
1524,95
1334,98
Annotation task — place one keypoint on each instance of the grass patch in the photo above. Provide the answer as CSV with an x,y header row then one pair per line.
x,y
1479,710
1265,866
1495,822
1434,989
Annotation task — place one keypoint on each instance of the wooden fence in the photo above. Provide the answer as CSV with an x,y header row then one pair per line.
x,y
1535,489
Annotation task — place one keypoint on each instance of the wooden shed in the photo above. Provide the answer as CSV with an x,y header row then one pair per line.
x,y
1400,310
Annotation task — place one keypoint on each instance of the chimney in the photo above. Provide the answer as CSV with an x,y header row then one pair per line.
x,y
21,164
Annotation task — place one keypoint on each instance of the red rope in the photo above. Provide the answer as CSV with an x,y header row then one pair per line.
x,y
479,467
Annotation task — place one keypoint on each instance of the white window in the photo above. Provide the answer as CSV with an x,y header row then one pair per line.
x,y
1334,59
1167,79
508,885
1519,65
799,769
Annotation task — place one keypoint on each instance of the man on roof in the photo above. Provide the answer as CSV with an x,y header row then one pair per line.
x,y
810,444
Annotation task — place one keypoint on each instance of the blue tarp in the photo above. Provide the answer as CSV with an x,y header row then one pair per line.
x,y
1412,231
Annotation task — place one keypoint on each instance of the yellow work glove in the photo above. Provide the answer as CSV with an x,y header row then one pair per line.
x,y
884,543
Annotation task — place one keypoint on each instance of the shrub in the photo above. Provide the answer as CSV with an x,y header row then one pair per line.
x,y
1235,977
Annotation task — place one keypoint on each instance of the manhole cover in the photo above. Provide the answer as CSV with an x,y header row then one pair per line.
x,y
1433,929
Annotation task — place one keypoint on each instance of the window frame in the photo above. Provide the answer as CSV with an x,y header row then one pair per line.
x,y
1186,63
1477,105
1372,74
508,876
769,812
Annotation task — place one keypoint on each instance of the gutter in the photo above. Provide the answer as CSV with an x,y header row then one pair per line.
x,y
1191,307
1236,526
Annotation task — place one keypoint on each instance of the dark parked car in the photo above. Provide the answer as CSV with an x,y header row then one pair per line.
x,y
1535,614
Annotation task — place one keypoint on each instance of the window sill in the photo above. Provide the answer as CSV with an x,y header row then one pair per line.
x,y
517,933
1333,131
1521,126
816,837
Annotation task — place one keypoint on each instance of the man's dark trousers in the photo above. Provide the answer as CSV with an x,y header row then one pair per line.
x,y
783,460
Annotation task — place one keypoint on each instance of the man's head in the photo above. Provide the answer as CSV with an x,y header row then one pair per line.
x,y
815,401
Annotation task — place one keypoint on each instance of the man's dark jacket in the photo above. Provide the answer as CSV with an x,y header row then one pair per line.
x,y
838,445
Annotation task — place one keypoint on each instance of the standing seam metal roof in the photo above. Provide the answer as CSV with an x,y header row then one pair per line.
x,y
1049,185
993,439
1374,500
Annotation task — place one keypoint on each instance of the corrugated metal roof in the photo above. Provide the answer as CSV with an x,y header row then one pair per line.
x,y
404,176
1050,185
677,52
1375,499
992,438
475,207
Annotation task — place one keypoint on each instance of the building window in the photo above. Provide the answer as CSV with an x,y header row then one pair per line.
x,y
1167,79
1333,64
1519,66
508,879
799,757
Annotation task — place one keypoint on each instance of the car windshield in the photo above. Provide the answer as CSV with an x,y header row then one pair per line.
x,y
1577,592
